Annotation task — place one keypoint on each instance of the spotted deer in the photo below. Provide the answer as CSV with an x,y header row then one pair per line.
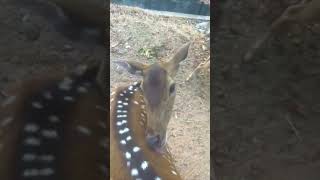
x,y
55,127
306,11
139,117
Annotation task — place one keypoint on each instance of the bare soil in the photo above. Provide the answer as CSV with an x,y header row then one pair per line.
x,y
138,36
266,111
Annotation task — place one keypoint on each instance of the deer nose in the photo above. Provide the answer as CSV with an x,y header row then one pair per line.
x,y
155,143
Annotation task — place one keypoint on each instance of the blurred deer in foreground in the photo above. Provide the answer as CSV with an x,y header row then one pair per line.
x,y
54,127
306,11
139,117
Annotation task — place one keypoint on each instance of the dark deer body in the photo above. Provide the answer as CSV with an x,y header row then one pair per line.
x,y
308,11
83,20
139,116
54,128
90,12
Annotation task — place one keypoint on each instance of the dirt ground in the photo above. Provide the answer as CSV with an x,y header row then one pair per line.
x,y
266,111
142,37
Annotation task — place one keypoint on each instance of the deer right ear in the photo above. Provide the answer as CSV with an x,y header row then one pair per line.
x,y
132,67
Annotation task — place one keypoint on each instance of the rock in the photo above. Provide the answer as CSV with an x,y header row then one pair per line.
x,y
203,27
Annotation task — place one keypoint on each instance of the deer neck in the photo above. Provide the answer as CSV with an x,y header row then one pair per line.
x,y
128,130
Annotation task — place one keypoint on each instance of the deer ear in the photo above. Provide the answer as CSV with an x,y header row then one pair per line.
x,y
135,68
172,66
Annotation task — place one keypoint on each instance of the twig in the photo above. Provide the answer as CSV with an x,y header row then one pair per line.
x,y
204,64
296,132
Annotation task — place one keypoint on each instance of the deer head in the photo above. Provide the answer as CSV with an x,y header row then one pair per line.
x,y
159,91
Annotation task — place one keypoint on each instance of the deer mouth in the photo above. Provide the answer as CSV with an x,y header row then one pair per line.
x,y
156,143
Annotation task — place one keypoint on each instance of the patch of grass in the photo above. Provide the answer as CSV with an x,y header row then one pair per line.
x,y
150,52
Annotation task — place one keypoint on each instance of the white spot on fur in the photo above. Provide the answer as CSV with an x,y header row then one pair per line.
x,y
46,172
6,121
32,141
120,116
53,119
128,155
31,127
29,157
30,172
124,121
84,130
134,172
65,84
123,142
9,100
68,98
102,125
79,70
49,133
82,89
144,165
123,130
37,105
136,149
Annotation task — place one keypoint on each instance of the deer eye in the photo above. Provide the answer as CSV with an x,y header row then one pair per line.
x,y
172,88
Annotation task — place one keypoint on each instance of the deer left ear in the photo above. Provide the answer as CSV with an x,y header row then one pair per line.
x,y
172,66
135,68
